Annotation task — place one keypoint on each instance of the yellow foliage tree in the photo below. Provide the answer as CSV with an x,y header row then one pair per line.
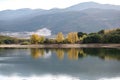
x,y
72,37
34,39
59,37
76,36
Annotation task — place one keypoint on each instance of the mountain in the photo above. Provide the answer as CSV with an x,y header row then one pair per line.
x,y
86,17
25,12
87,5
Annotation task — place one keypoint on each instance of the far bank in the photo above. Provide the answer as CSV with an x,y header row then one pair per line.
x,y
61,46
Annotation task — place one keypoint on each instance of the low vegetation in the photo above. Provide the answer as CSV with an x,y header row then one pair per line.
x,y
8,40
13,40
103,36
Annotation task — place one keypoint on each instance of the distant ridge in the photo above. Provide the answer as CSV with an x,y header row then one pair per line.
x,y
86,17
87,5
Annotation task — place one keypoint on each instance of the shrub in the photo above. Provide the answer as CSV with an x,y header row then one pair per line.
x,y
94,38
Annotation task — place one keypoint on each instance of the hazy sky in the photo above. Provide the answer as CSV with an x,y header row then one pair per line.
x,y
47,4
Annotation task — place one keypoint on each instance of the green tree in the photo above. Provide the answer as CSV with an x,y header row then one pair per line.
x,y
81,34
83,37
101,32
94,38
111,38
8,40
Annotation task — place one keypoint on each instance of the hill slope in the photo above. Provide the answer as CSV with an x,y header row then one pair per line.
x,y
74,18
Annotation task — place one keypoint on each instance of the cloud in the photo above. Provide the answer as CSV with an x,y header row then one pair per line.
x,y
46,4
115,78
44,77
26,34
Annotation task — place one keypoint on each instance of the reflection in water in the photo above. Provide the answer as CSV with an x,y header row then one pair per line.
x,y
74,64
105,54
72,54
75,54
50,77
81,54
37,53
60,53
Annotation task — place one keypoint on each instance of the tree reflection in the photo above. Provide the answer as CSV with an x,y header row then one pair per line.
x,y
81,53
105,54
110,54
37,53
73,54
60,53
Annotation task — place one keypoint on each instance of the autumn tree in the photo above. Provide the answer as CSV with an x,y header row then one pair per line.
x,y
34,39
41,39
72,37
59,37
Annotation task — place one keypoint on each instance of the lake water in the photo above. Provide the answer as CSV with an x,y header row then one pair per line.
x,y
60,64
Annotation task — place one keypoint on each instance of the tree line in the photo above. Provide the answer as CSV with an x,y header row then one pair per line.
x,y
13,40
71,37
103,36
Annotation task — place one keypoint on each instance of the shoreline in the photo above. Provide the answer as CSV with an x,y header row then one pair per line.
x,y
61,46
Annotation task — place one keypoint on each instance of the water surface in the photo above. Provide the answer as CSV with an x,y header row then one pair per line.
x,y
60,64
